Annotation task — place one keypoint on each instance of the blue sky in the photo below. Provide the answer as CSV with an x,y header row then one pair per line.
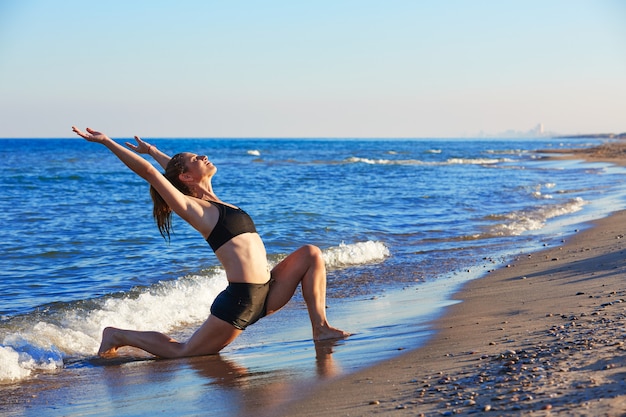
x,y
353,68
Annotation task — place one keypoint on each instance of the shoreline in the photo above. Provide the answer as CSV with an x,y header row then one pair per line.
x,y
542,336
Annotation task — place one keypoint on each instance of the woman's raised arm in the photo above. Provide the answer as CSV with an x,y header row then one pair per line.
x,y
184,206
133,161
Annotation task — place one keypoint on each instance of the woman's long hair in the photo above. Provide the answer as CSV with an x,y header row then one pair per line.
x,y
161,212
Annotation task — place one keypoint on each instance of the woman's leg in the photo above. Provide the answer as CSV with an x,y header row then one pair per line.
x,y
306,266
210,338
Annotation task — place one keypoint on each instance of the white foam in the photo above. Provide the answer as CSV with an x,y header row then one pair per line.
x,y
10,367
169,305
541,196
379,161
506,152
450,161
42,344
254,152
359,253
518,222
477,161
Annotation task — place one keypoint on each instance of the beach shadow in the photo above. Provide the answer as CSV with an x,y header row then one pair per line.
x,y
612,389
601,266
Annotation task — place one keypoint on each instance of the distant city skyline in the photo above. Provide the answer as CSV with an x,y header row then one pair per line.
x,y
537,131
349,69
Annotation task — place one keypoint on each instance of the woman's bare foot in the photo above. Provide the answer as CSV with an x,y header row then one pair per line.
x,y
109,344
327,332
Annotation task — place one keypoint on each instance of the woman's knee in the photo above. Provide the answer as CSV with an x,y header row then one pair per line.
x,y
317,264
298,264
313,252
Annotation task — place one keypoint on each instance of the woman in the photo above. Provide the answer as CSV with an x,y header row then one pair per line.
x,y
253,291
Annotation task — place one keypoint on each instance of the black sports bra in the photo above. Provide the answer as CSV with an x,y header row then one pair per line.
x,y
232,222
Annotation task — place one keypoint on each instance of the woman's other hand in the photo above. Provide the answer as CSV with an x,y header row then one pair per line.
x,y
91,135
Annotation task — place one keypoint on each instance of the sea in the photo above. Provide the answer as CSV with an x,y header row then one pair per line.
x,y
402,224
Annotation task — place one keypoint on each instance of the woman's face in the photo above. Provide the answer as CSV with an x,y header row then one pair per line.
x,y
198,166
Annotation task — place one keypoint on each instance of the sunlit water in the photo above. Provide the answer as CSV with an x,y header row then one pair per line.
x,y
80,250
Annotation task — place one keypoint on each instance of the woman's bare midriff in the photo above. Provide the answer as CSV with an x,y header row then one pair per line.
x,y
244,259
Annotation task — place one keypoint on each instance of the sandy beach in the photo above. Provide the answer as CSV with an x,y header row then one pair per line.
x,y
543,336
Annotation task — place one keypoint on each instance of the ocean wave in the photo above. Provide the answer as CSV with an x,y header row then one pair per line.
x,y
538,194
449,161
477,161
45,339
515,152
42,340
359,253
518,222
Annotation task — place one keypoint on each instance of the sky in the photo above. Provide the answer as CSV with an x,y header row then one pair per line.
x,y
323,68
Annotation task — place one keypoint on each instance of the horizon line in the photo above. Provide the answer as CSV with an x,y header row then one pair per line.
x,y
502,136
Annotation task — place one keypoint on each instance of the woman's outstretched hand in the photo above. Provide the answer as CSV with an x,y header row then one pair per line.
x,y
140,147
91,135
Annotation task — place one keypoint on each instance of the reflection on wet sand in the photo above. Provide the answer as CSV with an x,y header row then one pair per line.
x,y
260,393
219,371
327,367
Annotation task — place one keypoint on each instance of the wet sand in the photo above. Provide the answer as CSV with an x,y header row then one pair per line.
x,y
543,336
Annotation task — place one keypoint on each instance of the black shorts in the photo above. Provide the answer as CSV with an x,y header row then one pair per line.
x,y
241,304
